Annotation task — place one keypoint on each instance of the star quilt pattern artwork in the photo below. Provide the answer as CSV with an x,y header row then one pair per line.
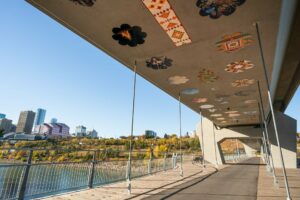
x,y
167,19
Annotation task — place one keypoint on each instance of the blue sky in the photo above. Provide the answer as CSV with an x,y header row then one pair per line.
x,y
42,64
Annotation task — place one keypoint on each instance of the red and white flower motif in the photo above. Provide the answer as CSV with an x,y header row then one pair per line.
x,y
239,66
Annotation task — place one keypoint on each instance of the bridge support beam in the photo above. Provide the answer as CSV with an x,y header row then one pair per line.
x,y
249,136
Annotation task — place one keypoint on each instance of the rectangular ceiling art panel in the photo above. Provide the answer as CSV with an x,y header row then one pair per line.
x,y
166,17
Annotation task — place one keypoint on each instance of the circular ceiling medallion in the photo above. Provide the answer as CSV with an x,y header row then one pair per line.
x,y
239,66
234,115
190,91
177,80
206,106
220,118
207,76
250,101
231,112
212,110
243,83
199,100
216,115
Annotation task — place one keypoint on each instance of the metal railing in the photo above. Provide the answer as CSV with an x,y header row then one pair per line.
x,y
37,179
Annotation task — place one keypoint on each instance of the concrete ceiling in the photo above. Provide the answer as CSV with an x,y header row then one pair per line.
x,y
198,63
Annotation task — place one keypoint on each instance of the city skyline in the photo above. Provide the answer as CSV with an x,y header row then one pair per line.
x,y
79,84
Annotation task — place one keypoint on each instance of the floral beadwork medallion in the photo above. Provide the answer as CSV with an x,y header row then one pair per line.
x,y
167,19
239,66
243,83
159,62
206,106
88,3
177,80
129,35
234,42
216,8
200,100
190,91
207,76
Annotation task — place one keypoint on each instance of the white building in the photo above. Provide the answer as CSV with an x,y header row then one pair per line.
x,y
92,134
52,130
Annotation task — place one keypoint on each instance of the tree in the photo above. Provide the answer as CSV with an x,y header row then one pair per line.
x,y
1,133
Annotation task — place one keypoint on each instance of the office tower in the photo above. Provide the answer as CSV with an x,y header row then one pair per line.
x,y
92,134
53,121
25,122
52,130
2,116
40,116
5,125
80,131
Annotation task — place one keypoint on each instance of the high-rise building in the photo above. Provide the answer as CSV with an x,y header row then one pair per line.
x,y
92,134
25,122
150,134
2,116
53,121
40,116
5,125
80,131
52,130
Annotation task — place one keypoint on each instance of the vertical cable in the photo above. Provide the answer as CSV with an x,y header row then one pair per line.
x,y
180,134
215,144
272,112
131,133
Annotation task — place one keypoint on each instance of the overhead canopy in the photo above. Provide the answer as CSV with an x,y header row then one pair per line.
x,y
205,50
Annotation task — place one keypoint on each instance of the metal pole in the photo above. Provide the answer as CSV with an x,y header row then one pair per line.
x,y
268,144
24,178
202,138
272,113
92,170
131,133
180,142
237,148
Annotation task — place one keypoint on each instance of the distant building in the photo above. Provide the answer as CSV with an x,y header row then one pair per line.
x,y
80,131
40,116
29,137
5,125
92,134
53,120
52,130
25,122
150,134
2,116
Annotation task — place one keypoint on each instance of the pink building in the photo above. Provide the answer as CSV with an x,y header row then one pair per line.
x,y
52,130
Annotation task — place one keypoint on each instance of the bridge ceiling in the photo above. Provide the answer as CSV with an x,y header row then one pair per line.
x,y
205,50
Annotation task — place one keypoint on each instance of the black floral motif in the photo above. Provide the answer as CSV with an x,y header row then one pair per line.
x,y
217,8
159,62
127,35
88,3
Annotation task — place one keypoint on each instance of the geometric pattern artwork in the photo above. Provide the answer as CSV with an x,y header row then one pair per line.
x,y
239,66
127,35
207,76
177,80
159,62
216,8
234,42
207,106
242,82
199,100
167,19
190,91
88,3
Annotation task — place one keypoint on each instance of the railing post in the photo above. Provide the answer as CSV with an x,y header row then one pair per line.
x,y
149,164
165,160
24,178
92,170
